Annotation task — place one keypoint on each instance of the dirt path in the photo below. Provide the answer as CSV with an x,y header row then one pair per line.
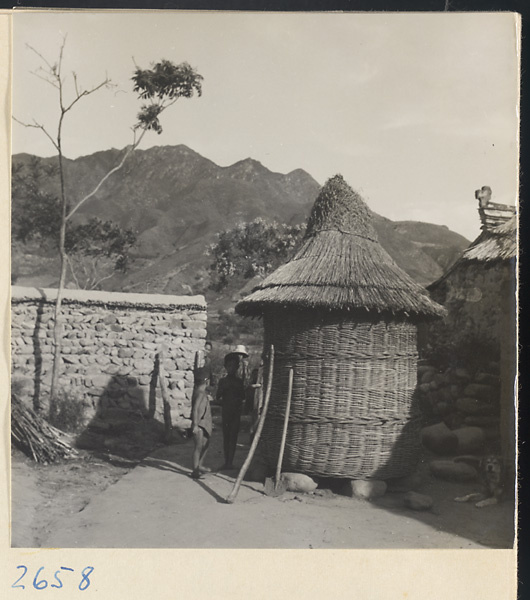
x,y
90,502
157,505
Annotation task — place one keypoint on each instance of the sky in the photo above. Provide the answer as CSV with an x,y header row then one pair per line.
x,y
415,110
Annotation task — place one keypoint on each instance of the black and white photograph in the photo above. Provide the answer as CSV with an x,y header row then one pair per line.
x,y
264,280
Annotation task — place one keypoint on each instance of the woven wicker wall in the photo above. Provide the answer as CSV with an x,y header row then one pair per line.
x,y
353,408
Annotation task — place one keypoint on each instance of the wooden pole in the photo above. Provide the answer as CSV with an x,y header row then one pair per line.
x,y
165,395
284,432
232,496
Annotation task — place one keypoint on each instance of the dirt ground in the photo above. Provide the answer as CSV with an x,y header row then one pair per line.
x,y
90,501
43,494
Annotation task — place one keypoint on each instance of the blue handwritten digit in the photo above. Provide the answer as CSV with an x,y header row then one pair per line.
x,y
85,582
20,585
58,580
39,585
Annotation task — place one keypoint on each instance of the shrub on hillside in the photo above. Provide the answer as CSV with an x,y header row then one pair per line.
x,y
251,249
230,329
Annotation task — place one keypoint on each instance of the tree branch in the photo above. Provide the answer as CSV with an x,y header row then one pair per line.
x,y
75,83
104,83
72,270
60,64
130,149
101,280
35,73
86,274
40,56
36,125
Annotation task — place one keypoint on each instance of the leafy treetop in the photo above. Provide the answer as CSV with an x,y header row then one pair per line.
x,y
164,83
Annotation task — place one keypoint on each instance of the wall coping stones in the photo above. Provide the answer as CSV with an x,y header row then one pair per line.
x,y
21,294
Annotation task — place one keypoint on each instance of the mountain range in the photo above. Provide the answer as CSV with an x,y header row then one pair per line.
x,y
176,201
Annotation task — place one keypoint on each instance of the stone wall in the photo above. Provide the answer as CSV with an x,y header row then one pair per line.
x,y
462,398
476,296
468,377
111,342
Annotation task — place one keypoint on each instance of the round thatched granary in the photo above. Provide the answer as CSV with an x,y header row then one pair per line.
x,y
343,316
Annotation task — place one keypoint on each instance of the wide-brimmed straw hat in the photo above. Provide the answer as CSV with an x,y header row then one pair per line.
x,y
239,349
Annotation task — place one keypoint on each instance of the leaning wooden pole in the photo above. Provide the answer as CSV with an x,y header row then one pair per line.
x,y
232,496
284,432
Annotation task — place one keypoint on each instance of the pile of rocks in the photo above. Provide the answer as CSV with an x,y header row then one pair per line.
x,y
468,404
463,409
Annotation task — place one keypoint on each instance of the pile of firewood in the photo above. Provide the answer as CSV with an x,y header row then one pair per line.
x,y
35,437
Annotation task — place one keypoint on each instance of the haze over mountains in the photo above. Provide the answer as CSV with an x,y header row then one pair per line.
x,y
177,201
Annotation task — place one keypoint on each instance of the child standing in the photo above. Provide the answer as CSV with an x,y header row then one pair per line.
x,y
201,416
231,396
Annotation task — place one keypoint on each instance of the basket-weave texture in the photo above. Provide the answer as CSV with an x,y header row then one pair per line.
x,y
352,411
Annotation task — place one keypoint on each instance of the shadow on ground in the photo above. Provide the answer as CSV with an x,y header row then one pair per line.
x,y
491,527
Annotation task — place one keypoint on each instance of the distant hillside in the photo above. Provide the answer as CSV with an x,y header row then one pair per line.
x,y
438,241
177,201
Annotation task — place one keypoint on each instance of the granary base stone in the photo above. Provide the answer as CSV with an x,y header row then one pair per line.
x,y
365,489
298,482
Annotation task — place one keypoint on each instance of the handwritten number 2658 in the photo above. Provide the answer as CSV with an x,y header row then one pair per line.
x,y
39,583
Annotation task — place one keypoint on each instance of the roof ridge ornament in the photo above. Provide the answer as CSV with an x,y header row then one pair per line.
x,y
492,214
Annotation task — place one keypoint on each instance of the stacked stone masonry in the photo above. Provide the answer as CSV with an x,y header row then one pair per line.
x,y
110,347
461,399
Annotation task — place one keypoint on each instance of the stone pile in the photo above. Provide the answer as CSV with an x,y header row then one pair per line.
x,y
110,345
464,412
468,404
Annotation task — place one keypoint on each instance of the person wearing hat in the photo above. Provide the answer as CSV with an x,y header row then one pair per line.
x,y
231,396
241,351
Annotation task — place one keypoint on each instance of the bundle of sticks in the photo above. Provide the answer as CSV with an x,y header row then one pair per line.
x,y
35,437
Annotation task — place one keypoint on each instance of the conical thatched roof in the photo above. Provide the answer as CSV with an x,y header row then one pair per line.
x,y
340,265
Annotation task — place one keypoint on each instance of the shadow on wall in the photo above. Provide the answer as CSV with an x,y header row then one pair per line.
x,y
124,417
28,376
37,354
124,423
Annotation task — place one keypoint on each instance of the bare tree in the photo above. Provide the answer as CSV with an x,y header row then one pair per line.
x,y
160,86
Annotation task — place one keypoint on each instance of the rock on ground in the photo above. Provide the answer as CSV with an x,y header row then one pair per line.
x,y
298,482
470,439
453,471
365,489
439,439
